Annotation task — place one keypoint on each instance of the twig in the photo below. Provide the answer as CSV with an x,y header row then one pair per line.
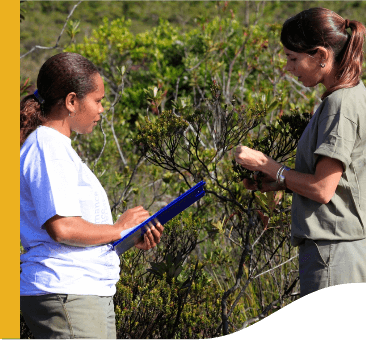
x,y
104,144
58,39
127,189
110,123
258,239
304,88
176,93
190,127
196,66
231,69
247,251
279,265
262,315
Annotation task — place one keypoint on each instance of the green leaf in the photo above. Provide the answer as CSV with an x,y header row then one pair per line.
x,y
273,105
262,199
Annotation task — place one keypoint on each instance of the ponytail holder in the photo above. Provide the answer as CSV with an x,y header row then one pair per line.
x,y
38,96
346,23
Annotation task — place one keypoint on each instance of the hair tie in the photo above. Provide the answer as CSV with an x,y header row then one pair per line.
x,y
38,97
346,23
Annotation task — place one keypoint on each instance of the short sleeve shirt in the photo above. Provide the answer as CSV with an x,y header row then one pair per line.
x,y
336,130
55,181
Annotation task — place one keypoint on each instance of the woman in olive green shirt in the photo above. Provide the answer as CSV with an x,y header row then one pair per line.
x,y
329,180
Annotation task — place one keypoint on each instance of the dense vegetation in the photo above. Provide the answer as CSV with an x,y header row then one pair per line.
x,y
45,19
182,90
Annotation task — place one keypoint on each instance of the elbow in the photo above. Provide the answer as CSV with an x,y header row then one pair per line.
x,y
57,234
59,238
324,197
323,200
58,229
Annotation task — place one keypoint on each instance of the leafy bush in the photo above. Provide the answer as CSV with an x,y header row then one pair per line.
x,y
166,293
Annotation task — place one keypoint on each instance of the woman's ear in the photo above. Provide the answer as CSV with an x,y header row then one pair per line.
x,y
71,102
324,55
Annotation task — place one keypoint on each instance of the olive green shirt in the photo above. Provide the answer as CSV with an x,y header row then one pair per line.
x,y
336,130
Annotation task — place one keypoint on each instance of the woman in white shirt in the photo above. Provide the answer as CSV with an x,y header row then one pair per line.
x,y
68,275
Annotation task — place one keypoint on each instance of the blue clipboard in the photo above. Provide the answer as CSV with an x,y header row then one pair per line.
x,y
135,234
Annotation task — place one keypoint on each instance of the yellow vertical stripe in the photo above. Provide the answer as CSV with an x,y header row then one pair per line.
x,y
9,99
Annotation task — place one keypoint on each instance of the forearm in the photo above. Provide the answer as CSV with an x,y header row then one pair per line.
x,y
313,186
320,186
75,231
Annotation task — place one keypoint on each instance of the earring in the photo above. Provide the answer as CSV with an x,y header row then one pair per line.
x,y
322,65
72,116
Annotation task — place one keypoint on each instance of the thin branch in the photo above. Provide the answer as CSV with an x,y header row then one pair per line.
x,y
272,305
258,239
190,127
304,88
110,123
231,69
58,39
127,189
196,66
247,251
104,144
176,93
279,265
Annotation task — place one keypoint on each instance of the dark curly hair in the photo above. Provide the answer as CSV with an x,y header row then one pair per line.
x,y
315,27
59,75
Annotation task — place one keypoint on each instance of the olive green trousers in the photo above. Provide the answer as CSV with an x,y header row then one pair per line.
x,y
328,263
67,316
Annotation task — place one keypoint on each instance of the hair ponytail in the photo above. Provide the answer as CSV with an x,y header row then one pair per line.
x,y
316,27
60,75
30,116
350,62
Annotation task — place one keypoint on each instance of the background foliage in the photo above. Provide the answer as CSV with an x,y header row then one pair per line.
x,y
44,19
185,83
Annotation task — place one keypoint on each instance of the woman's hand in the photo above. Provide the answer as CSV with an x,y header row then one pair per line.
x,y
152,236
267,183
250,159
255,160
133,217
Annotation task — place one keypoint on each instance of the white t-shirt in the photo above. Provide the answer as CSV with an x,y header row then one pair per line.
x,y
55,181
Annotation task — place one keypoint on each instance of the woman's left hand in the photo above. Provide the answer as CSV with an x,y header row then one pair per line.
x,y
151,237
249,158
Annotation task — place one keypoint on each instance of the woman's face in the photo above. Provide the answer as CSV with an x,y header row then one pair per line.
x,y
88,110
305,67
